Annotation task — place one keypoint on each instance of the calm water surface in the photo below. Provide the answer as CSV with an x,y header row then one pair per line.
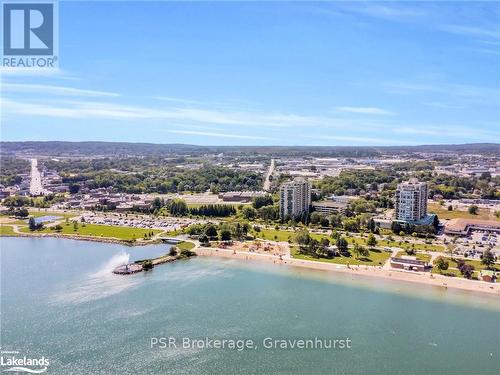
x,y
59,299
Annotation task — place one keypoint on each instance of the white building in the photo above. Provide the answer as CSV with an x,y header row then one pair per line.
x,y
411,200
295,198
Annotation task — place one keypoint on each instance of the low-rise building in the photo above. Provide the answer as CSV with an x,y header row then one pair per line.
x,y
488,276
240,196
462,227
409,263
329,207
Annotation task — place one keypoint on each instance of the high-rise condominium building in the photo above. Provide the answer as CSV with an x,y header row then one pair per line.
x,y
295,198
411,200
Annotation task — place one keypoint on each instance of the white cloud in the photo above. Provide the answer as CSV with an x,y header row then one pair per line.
x,y
40,72
53,90
104,110
471,30
458,90
218,135
176,100
364,110
400,12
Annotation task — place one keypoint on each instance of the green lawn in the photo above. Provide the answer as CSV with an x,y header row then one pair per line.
x,y
274,235
283,235
375,258
476,263
453,272
6,230
443,213
420,256
453,268
121,233
185,245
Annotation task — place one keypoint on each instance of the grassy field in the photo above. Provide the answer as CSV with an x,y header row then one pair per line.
x,y
105,231
274,235
454,272
6,230
476,263
375,258
282,235
185,246
453,268
420,256
443,213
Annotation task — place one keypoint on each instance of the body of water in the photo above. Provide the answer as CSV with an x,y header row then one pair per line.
x,y
60,300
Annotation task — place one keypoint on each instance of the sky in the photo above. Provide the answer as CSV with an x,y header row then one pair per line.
x,y
266,73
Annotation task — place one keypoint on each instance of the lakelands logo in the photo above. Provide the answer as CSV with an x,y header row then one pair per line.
x,y
29,34
15,363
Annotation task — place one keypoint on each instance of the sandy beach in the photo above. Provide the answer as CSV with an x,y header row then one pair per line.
x,y
369,271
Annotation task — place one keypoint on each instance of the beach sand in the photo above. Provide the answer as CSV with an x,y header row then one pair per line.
x,y
370,271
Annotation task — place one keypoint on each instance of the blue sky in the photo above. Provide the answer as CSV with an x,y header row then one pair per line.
x,y
267,73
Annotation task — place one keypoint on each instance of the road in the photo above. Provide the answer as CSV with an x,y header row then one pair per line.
x,y
267,180
36,187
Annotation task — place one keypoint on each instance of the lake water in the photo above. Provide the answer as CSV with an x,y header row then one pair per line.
x,y
45,219
60,300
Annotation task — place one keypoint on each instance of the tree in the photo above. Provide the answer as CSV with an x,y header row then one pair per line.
x,y
473,209
358,250
204,239
351,225
173,251
324,222
396,227
75,225
312,247
73,188
315,218
325,242
258,202
466,270
22,212
342,245
249,213
211,231
372,226
488,258
302,237
442,264
225,234
371,240
450,208
177,207
32,224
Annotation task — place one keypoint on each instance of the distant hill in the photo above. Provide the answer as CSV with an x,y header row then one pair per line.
x,y
96,149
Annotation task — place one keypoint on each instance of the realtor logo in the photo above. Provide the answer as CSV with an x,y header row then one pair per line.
x,y
29,33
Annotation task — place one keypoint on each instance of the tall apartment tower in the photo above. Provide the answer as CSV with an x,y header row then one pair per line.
x,y
411,200
295,198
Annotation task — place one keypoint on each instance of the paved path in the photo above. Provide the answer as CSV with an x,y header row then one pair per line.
x,y
36,187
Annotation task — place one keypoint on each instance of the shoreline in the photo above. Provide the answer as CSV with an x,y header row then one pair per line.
x,y
436,280
83,238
